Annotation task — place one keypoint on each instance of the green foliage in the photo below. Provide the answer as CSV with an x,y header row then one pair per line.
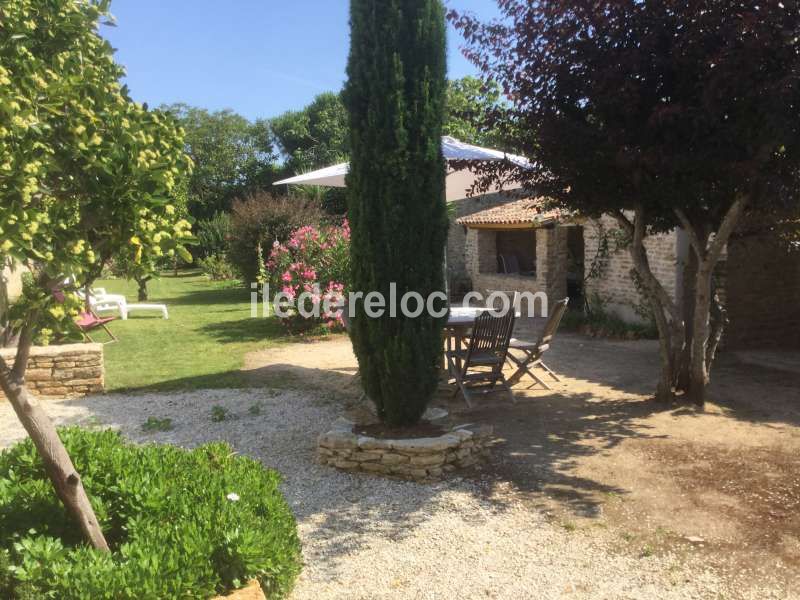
x,y
217,267
471,106
395,96
260,220
232,157
53,312
598,321
213,240
181,524
313,137
219,414
213,234
156,424
84,170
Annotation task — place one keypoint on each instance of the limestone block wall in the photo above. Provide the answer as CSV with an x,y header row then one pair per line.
x,y
457,268
615,285
62,371
417,459
551,263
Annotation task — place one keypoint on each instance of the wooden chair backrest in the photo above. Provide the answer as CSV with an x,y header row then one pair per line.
x,y
553,321
491,335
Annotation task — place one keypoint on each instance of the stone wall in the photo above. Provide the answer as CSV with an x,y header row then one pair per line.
x,y
551,263
62,371
615,285
762,293
417,459
458,273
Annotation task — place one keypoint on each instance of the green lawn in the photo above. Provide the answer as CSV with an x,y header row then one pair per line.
x,y
202,345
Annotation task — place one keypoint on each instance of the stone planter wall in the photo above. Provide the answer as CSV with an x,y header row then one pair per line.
x,y
417,459
62,371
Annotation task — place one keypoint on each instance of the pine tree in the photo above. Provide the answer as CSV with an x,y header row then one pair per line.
x,y
395,98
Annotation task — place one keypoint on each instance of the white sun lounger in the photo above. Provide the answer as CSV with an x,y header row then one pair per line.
x,y
144,306
104,302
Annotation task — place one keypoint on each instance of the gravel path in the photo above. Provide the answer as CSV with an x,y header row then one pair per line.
x,y
365,537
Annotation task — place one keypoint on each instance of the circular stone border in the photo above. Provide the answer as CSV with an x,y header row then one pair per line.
x,y
418,459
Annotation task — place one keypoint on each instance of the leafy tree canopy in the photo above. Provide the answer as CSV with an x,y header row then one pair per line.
x,y
84,171
232,157
316,136
671,104
471,106
313,137
662,113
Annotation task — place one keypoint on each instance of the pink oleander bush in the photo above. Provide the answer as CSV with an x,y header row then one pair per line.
x,y
312,267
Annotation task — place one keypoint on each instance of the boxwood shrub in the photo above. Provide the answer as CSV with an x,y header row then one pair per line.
x,y
181,523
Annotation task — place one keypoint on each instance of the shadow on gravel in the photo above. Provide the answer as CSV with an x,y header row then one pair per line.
x,y
602,403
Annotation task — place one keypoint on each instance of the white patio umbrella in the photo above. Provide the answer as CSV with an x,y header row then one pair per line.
x,y
459,182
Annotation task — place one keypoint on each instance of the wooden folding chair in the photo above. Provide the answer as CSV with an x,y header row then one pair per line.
x,y
532,352
89,320
482,361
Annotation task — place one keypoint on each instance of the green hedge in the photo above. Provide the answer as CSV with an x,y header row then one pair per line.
x,y
181,524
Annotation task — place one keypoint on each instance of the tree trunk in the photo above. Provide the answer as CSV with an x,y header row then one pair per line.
x,y
671,331
664,391
719,320
6,333
698,369
57,463
142,293
689,281
708,251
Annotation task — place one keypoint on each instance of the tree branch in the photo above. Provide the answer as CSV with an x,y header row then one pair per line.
x,y
17,373
624,222
5,371
694,240
637,230
729,223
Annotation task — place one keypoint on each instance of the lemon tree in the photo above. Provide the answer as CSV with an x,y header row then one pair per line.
x,y
85,172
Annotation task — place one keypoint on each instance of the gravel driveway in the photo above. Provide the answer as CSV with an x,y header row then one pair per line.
x,y
365,537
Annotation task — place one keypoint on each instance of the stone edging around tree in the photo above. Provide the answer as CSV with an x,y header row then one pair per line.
x,y
417,459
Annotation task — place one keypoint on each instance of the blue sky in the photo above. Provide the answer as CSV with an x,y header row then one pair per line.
x,y
257,57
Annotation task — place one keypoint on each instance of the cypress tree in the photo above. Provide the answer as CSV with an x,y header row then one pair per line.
x,y
396,202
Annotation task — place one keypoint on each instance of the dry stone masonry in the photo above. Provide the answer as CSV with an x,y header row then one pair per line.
x,y
615,285
62,371
418,459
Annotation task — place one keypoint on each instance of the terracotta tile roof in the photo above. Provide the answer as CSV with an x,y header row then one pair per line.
x,y
519,212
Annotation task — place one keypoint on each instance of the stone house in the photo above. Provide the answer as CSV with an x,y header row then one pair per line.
x,y
516,246
758,277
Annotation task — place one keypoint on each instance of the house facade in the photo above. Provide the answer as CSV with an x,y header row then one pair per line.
x,y
499,243
518,246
